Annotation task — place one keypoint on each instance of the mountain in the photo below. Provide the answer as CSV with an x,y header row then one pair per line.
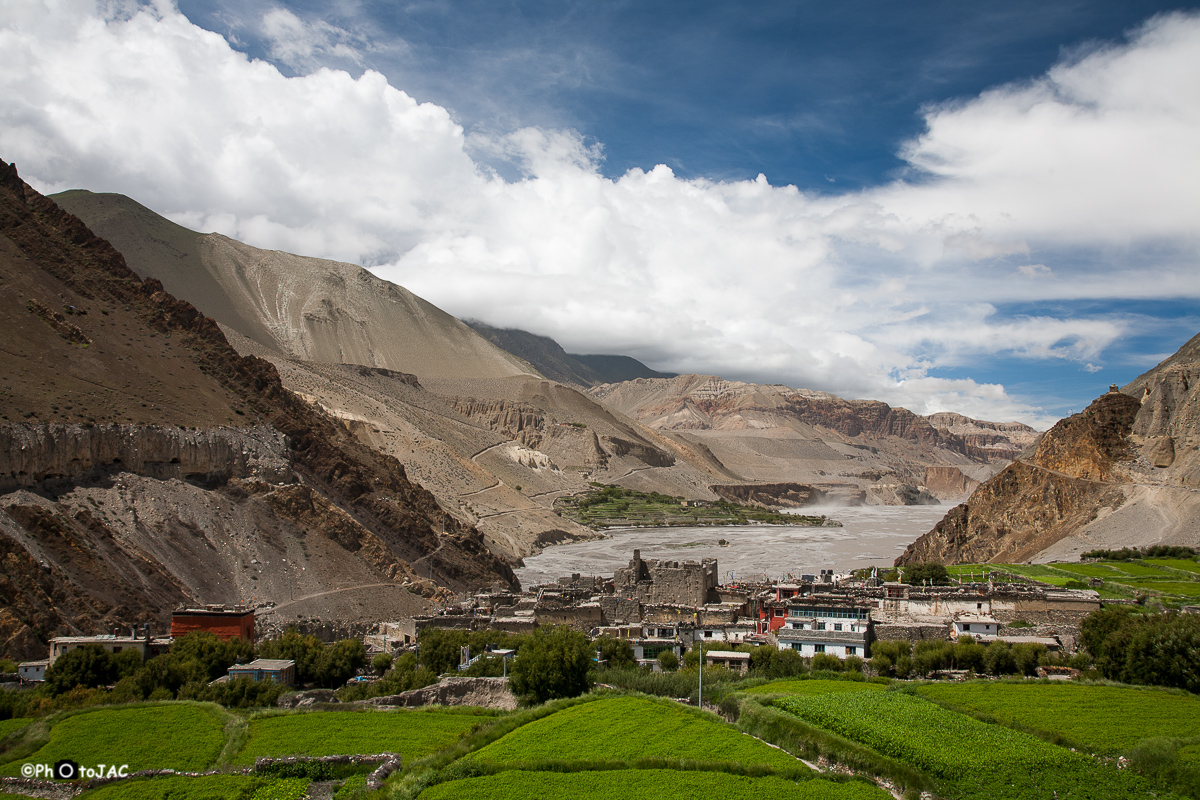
x,y
852,450
292,306
1124,472
548,357
494,441
540,352
615,369
145,463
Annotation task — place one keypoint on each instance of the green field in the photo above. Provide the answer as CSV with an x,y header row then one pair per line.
x,y
971,759
1185,564
609,506
8,726
648,783
1094,571
412,734
209,787
1170,588
815,687
180,736
1101,719
627,729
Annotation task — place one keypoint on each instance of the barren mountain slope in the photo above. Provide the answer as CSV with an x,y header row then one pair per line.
x,y
144,463
1124,472
847,448
487,427
306,308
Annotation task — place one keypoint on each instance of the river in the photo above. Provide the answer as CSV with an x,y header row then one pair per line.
x,y
870,535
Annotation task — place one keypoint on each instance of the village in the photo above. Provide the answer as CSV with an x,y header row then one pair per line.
x,y
660,606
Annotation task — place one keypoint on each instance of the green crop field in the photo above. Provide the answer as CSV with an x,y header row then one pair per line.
x,y
814,687
1185,564
973,759
1169,588
1139,570
1093,570
1101,719
631,728
178,736
662,783
412,734
8,726
208,787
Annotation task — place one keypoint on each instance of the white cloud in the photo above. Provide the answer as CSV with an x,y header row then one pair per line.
x,y
304,45
1072,186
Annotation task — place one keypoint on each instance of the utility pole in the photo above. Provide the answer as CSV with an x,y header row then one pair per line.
x,y
701,703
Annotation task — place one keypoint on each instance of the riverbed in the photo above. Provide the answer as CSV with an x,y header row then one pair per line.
x,y
870,535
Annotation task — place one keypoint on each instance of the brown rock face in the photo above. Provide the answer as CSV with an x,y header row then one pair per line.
x,y
1122,471
771,495
120,493
948,483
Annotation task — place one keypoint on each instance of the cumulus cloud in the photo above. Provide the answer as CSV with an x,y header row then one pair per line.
x,y
1073,186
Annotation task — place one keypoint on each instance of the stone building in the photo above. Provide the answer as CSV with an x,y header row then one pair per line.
x,y
685,583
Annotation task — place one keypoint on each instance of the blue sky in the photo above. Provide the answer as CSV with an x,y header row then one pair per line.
x,y
982,207
816,94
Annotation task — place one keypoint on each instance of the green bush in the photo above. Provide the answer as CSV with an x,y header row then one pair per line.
x,y
552,663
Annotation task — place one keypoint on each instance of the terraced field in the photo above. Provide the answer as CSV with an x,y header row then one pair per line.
x,y
209,787
181,736
1102,719
8,726
815,687
1164,578
412,734
631,728
649,783
971,759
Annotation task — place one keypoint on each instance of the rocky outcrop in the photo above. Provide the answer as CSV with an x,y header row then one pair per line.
x,y
949,483
771,495
1124,471
91,542
34,452
480,692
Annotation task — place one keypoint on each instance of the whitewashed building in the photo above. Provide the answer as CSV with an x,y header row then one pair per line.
x,y
813,627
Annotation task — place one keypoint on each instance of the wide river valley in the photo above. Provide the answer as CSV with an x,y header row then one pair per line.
x,y
870,535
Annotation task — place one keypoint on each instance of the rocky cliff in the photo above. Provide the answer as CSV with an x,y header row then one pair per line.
x,y
33,453
146,463
847,448
1124,472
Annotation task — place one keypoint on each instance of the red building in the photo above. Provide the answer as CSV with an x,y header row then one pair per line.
x,y
225,622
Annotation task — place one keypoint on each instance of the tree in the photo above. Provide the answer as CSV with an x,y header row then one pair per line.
x,y
381,663
825,661
617,652
305,651
340,661
668,660
88,666
921,573
553,662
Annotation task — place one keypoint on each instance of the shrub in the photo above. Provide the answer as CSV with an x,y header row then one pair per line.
x,y
552,663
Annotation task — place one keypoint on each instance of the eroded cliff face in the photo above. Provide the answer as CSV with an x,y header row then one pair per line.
x,y
1123,472
31,453
111,512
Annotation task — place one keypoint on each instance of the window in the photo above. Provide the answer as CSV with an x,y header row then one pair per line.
x,y
818,648
708,634
820,626
837,626
796,645
779,612
850,651
979,606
